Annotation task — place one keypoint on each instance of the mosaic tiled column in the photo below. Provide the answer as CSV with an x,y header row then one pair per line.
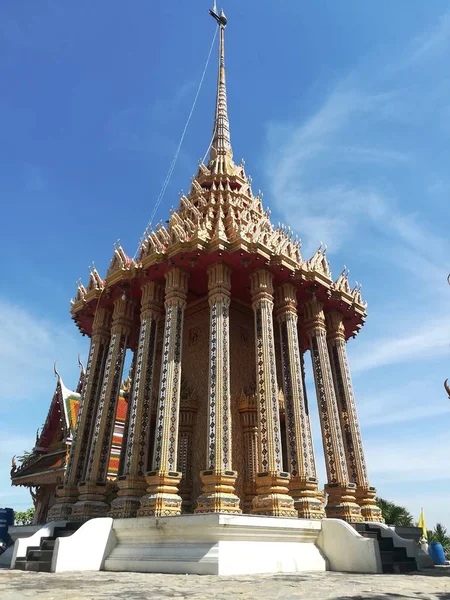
x,y
127,384
341,493
188,413
272,484
354,451
131,482
93,492
162,496
303,484
67,494
249,421
218,493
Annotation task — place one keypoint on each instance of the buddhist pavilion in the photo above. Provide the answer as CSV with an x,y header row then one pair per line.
x,y
219,309
43,469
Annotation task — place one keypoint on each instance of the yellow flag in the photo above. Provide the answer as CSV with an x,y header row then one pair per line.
x,y
422,525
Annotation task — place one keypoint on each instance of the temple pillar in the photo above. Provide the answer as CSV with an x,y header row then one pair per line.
x,y
341,493
188,413
67,494
218,491
272,484
303,484
162,482
249,421
131,481
93,491
354,451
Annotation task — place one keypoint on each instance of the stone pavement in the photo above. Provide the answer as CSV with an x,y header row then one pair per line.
x,y
18,585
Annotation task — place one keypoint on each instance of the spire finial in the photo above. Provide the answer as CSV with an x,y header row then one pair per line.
x,y
221,146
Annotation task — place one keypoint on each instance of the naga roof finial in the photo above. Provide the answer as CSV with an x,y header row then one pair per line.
x,y
55,370
80,364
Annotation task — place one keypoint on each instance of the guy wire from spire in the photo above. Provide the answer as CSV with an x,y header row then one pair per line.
x,y
177,152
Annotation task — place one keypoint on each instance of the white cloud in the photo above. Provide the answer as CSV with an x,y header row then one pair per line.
x,y
28,347
333,173
431,43
418,342
409,458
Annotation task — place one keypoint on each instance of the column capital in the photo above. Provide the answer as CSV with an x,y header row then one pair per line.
x,y
152,300
335,326
102,322
176,287
261,285
314,317
285,300
219,279
123,313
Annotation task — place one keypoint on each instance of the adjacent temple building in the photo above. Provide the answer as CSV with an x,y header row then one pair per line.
x,y
219,309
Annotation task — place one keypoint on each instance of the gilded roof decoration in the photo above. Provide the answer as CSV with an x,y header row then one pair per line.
x,y
319,262
120,261
95,281
342,283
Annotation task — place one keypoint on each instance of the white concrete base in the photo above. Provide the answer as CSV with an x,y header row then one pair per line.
x,y
22,543
216,544
346,550
16,532
86,548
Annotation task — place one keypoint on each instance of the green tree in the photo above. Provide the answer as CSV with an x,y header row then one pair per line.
x,y
24,517
394,514
439,534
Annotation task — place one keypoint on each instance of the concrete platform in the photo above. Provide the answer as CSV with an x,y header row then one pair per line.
x,y
216,544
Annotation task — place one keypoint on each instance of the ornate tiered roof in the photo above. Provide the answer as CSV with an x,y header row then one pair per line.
x,y
220,216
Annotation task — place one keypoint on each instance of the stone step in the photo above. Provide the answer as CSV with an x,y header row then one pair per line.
x,y
48,545
406,566
368,534
34,565
40,555
387,557
385,544
65,533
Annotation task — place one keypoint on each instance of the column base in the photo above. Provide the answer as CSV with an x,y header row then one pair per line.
x,y
249,494
187,504
91,502
218,494
66,497
370,511
308,500
341,502
161,499
273,497
128,499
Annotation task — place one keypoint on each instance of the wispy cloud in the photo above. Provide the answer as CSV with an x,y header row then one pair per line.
x,y
28,347
424,342
392,403
403,460
333,172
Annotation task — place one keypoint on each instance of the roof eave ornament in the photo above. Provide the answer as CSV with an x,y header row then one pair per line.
x,y
447,388
55,371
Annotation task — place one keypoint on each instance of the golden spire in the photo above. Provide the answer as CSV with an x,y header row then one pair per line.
x,y
221,152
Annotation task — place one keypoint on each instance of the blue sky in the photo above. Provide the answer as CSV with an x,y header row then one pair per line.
x,y
341,112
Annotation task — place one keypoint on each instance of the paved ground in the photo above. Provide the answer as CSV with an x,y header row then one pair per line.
x,y
18,585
